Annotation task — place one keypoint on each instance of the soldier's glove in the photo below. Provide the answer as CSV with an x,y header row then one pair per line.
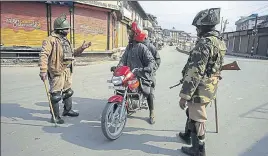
x,y
43,76
183,103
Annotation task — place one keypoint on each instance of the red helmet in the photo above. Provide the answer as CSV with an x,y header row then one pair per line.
x,y
139,36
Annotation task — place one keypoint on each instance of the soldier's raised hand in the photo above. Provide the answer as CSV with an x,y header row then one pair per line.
x,y
86,45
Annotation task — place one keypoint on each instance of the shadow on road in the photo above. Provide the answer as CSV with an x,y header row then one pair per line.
x,y
85,130
14,110
258,149
261,110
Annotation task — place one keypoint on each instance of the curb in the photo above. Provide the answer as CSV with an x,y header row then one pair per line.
x,y
248,56
232,54
76,64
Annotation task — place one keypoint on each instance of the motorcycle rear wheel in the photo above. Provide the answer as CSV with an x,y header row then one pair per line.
x,y
112,111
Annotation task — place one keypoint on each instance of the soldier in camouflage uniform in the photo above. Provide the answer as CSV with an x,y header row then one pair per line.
x,y
200,79
56,63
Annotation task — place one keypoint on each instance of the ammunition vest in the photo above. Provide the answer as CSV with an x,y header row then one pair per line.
x,y
218,50
68,56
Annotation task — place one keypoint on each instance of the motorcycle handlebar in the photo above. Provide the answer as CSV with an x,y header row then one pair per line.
x,y
135,70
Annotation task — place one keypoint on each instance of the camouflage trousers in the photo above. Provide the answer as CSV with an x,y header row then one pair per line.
x,y
60,82
197,113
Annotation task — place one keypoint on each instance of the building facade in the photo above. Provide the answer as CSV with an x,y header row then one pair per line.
x,y
26,24
175,35
246,23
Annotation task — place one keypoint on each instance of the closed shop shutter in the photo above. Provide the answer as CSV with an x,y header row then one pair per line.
x,y
90,25
58,10
23,23
120,34
125,35
263,46
112,32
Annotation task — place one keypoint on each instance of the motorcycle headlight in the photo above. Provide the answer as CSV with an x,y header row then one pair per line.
x,y
117,80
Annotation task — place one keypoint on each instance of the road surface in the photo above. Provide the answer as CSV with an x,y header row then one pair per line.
x,y
26,131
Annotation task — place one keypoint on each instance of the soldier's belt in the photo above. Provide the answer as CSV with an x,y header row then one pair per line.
x,y
67,63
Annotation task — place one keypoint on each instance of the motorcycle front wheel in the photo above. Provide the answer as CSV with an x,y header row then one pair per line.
x,y
111,127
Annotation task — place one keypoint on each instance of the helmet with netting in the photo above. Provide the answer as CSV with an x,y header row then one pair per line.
x,y
208,17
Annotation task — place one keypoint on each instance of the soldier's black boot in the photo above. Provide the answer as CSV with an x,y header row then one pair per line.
x,y
56,110
58,120
198,147
194,149
202,149
186,137
68,108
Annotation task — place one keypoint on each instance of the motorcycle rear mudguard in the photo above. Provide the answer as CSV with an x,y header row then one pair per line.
x,y
116,98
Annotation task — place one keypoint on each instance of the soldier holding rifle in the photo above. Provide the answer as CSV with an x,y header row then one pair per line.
x,y
201,75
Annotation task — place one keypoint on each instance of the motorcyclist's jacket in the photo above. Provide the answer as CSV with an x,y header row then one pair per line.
x,y
137,55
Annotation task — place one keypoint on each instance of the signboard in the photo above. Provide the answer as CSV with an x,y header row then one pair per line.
x,y
127,13
103,4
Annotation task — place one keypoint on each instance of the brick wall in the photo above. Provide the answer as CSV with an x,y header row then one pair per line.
x,y
91,25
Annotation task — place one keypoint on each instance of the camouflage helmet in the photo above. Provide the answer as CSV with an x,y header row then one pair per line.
x,y
208,17
61,23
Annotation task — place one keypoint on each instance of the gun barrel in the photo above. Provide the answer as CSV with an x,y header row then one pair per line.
x,y
231,66
175,85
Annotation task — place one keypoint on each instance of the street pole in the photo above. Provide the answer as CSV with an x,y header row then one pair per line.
x,y
221,24
254,34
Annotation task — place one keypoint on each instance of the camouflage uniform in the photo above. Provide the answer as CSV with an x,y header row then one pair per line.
x,y
56,60
201,76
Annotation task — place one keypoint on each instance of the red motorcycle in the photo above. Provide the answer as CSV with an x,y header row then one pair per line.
x,y
127,100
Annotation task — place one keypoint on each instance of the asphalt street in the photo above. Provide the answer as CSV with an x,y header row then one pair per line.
x,y
26,130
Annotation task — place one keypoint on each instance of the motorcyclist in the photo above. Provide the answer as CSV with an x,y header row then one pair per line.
x,y
137,55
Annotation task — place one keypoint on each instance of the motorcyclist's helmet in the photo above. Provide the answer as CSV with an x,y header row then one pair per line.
x,y
139,35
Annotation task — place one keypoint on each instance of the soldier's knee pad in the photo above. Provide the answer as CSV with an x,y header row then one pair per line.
x,y
55,97
187,112
68,93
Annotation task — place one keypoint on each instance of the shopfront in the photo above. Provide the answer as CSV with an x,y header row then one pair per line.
x,y
23,23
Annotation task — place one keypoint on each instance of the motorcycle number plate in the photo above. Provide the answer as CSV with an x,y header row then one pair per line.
x,y
116,87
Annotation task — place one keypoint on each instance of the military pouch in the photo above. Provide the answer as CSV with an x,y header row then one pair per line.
x,y
67,51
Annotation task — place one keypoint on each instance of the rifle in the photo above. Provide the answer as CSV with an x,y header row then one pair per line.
x,y
181,81
229,66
